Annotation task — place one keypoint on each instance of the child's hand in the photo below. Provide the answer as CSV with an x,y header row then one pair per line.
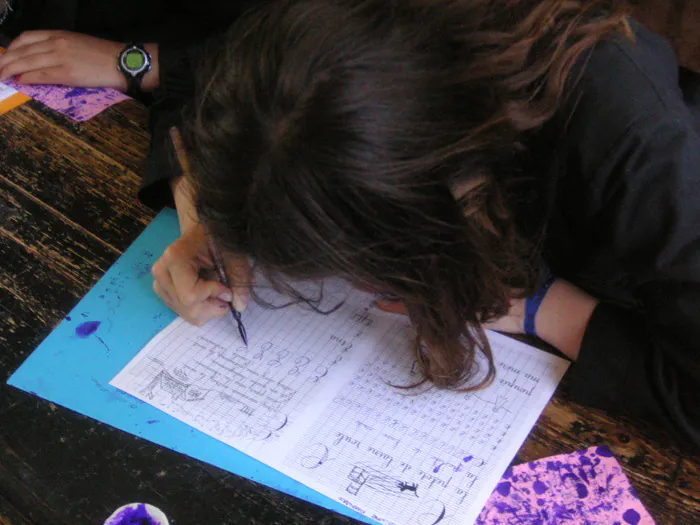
x,y
182,274
182,279
512,322
62,57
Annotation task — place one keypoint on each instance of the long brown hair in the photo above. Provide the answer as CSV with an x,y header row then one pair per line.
x,y
376,140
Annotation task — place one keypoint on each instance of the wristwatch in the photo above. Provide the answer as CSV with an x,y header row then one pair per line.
x,y
134,62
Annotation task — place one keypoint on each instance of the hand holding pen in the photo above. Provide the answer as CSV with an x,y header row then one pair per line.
x,y
181,274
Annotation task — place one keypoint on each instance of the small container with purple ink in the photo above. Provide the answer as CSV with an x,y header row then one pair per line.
x,y
137,514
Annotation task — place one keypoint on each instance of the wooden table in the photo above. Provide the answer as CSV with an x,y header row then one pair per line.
x,y
67,211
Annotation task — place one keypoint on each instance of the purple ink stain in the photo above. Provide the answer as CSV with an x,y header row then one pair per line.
x,y
560,511
581,490
68,318
508,473
467,459
584,460
539,487
631,516
503,488
604,451
75,93
583,476
87,328
134,516
540,501
503,507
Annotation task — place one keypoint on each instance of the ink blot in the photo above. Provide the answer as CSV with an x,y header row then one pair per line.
x,y
503,488
539,487
467,459
631,516
581,490
604,451
540,501
151,421
508,473
135,514
87,328
68,318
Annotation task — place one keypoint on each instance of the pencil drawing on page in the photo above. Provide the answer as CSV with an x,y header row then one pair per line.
x,y
315,397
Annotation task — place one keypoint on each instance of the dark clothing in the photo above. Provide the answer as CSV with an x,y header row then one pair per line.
x,y
625,226
622,161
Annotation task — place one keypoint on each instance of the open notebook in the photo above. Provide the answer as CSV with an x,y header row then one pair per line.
x,y
319,398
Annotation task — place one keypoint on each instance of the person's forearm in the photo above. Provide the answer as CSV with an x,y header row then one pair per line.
x,y
563,317
182,195
180,186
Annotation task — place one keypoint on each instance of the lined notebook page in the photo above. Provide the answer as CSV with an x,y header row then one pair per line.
x,y
317,397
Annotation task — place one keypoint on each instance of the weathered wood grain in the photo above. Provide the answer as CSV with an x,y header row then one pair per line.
x,y
9,515
46,265
72,176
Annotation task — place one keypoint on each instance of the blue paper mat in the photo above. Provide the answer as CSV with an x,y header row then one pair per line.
x,y
74,364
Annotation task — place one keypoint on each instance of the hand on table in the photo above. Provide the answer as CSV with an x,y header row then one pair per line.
x,y
62,57
186,282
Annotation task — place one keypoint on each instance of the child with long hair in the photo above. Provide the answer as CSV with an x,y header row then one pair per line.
x,y
530,166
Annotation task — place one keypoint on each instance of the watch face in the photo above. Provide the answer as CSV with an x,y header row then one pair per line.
x,y
134,60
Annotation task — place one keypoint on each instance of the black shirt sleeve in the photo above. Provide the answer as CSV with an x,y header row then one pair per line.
x,y
626,228
646,361
176,87
178,66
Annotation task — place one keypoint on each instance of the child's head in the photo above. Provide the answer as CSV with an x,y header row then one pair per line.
x,y
374,140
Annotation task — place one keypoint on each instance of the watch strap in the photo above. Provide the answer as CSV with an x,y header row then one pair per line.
x,y
533,302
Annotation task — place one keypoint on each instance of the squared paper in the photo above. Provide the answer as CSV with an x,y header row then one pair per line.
x,y
312,397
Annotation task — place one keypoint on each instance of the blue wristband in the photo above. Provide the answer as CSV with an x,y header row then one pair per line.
x,y
532,304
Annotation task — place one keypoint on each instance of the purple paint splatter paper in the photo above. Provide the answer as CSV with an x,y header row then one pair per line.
x,y
79,104
587,487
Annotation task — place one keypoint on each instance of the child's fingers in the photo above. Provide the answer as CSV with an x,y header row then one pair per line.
x,y
190,290
29,63
206,311
49,75
198,314
394,307
239,273
31,37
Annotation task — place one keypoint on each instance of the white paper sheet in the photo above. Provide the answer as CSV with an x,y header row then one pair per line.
x,y
312,397
6,91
